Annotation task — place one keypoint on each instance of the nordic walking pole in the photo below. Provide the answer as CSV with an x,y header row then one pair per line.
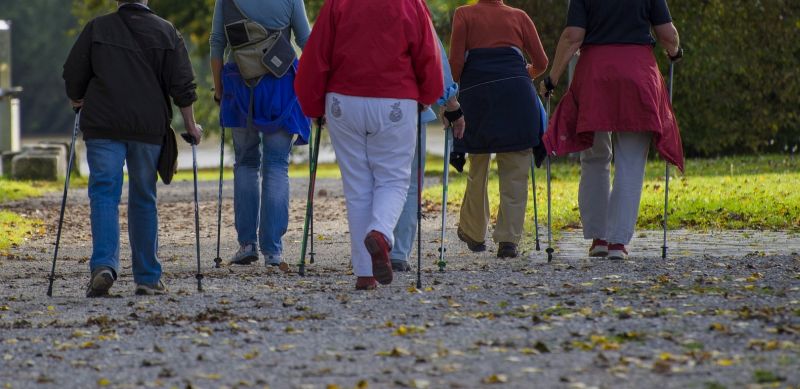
x,y
535,205
311,219
666,169
190,139
419,199
218,260
310,200
448,133
70,161
549,202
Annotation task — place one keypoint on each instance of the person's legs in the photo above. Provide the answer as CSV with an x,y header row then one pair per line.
x,y
346,127
274,218
630,158
474,217
105,158
142,160
389,154
595,188
405,233
512,169
247,149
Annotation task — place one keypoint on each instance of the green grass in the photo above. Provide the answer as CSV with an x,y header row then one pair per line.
x,y
14,228
728,193
325,170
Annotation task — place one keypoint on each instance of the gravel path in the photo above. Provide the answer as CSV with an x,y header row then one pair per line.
x,y
722,311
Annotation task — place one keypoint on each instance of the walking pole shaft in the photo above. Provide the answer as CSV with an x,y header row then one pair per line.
x,y
310,198
312,254
666,172
199,275
70,162
445,179
419,200
550,249
218,259
535,205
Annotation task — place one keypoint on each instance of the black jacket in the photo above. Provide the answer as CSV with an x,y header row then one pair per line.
x,y
126,79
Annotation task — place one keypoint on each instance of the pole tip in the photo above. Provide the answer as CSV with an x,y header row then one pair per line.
x,y
217,262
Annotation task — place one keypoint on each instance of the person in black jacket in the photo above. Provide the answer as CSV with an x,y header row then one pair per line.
x,y
121,74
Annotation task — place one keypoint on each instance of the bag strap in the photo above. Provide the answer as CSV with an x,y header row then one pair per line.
x,y
232,9
164,91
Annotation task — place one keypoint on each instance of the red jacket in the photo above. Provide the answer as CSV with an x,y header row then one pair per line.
x,y
615,88
370,48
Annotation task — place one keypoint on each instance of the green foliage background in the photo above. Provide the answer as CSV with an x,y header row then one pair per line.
x,y
737,91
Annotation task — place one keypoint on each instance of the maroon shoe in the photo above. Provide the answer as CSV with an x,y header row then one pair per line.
x,y
366,283
617,251
378,248
599,248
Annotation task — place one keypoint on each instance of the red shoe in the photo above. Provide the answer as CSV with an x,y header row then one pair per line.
x,y
378,248
599,248
366,283
617,251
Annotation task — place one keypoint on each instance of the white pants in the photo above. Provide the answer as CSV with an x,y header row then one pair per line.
x,y
374,140
606,213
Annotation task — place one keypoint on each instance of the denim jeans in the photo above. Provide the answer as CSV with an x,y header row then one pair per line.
x,y
261,210
405,233
106,159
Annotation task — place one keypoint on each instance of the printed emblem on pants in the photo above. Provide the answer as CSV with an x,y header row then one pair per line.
x,y
397,114
336,108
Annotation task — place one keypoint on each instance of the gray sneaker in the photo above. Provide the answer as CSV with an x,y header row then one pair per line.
x,y
151,290
276,261
272,260
246,255
100,282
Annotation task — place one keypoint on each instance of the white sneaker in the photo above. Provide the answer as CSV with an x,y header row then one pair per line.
x,y
246,255
599,248
617,251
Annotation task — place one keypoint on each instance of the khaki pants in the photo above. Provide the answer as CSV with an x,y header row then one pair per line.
x,y
513,170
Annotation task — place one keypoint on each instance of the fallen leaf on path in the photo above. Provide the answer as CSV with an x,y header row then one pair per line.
x,y
495,379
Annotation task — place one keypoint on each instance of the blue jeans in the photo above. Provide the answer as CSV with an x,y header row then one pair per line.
x,y
262,212
106,158
405,233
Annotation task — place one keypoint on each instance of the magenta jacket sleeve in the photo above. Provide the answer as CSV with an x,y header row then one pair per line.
x,y
427,59
311,83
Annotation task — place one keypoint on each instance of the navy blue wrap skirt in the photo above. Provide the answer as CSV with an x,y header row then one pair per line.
x,y
501,108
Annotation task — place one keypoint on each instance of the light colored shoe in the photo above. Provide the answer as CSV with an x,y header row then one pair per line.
x,y
617,251
276,261
246,255
599,248
272,260
151,290
100,282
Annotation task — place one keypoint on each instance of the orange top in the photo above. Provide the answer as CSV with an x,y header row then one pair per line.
x,y
489,24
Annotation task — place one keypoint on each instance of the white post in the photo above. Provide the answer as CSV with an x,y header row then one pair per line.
x,y
9,103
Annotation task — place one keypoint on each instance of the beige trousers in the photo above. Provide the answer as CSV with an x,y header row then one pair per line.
x,y
513,169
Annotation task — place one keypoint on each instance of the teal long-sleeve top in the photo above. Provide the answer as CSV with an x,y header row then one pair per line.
x,y
273,14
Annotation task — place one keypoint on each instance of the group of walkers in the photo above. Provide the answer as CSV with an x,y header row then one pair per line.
x,y
371,70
